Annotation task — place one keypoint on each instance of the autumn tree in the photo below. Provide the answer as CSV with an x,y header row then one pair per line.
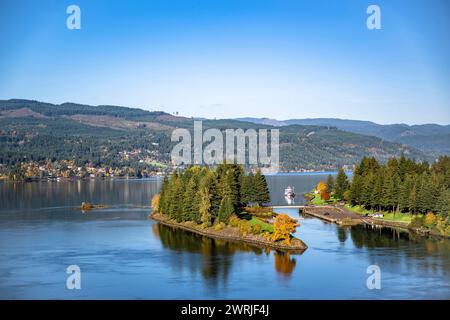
x,y
283,226
155,202
321,186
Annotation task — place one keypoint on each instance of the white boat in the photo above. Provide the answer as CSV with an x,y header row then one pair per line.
x,y
289,192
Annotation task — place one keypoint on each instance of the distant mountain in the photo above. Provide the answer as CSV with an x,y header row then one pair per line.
x,y
427,137
32,130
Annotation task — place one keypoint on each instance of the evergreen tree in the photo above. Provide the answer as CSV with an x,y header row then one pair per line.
x,y
261,190
388,190
205,207
356,189
443,203
175,197
413,207
247,192
341,184
162,200
366,193
190,202
425,197
225,209
405,192
375,198
330,184
209,182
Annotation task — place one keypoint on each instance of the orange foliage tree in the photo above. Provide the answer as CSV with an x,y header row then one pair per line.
x,y
155,202
325,195
283,226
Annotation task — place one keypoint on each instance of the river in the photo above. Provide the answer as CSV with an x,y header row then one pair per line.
x,y
124,255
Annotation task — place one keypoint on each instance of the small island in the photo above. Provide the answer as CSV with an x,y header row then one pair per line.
x,y
226,204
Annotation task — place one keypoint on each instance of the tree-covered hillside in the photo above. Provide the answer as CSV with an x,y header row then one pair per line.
x,y
119,136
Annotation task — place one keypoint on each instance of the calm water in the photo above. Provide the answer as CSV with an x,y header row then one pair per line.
x,y
123,255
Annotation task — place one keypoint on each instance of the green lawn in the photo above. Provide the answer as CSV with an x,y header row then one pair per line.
x,y
357,209
389,216
401,217
264,225
317,199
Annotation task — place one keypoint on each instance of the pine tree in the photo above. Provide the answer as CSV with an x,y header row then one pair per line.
x,y
405,193
205,207
163,196
413,197
225,209
341,184
388,190
190,208
356,189
424,194
247,194
375,198
169,196
443,203
260,188
330,184
209,182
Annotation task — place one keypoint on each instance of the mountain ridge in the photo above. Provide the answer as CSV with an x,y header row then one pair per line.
x,y
417,136
100,135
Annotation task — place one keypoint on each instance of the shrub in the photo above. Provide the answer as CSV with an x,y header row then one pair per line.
x,y
430,219
256,229
258,210
219,226
234,221
244,228
416,222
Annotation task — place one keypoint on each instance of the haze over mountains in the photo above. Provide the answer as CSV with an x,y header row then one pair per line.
x,y
32,130
426,137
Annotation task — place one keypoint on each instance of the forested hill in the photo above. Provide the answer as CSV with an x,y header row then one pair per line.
x,y
101,135
432,138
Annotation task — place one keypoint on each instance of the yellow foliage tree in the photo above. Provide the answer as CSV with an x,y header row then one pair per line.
x,y
155,202
283,226
321,186
430,219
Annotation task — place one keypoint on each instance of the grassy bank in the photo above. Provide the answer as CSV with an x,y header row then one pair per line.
x,y
387,216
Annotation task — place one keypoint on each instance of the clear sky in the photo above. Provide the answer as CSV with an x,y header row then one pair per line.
x,y
234,58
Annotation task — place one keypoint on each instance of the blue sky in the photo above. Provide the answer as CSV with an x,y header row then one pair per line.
x,y
233,58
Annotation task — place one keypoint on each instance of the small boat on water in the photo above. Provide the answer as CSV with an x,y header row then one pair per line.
x,y
289,192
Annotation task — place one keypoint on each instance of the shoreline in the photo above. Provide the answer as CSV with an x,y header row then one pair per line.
x,y
343,217
76,178
233,236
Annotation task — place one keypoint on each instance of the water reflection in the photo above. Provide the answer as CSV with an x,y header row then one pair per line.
x,y
216,255
290,201
284,263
